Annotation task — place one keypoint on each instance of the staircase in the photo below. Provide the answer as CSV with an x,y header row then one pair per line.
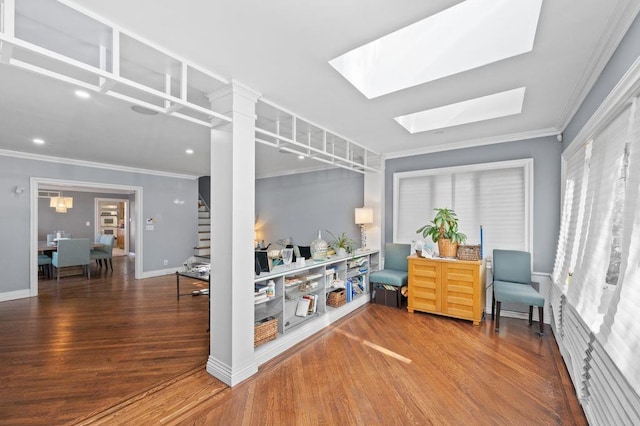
x,y
203,250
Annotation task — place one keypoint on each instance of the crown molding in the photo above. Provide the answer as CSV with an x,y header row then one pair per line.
x,y
617,27
620,95
511,137
92,164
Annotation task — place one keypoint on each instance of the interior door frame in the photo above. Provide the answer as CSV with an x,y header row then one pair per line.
x,y
35,183
96,223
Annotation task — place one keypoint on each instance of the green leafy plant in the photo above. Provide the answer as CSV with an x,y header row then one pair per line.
x,y
444,225
342,241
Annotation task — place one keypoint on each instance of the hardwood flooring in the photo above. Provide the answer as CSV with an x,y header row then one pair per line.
x,y
119,351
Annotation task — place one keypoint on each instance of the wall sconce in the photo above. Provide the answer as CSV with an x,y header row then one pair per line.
x,y
61,204
363,216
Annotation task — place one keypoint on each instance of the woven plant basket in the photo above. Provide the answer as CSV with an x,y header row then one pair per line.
x,y
447,248
265,332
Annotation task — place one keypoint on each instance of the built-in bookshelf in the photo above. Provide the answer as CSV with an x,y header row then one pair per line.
x,y
296,295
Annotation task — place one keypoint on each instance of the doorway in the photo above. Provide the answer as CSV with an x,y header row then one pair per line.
x,y
112,218
39,184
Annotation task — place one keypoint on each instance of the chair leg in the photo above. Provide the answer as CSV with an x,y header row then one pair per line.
x,y
111,264
541,319
530,315
493,305
497,319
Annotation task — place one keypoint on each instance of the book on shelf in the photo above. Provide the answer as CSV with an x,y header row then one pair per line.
x,y
313,303
259,298
302,308
312,277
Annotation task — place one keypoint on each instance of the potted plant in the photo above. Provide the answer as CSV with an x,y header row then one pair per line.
x,y
342,244
443,230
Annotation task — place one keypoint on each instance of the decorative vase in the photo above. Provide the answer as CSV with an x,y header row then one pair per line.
x,y
447,248
319,248
341,251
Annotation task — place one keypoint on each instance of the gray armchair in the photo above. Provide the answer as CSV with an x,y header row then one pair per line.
x,y
72,252
396,268
105,252
512,283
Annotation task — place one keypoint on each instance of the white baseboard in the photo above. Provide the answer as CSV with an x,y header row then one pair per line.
x,y
14,295
160,272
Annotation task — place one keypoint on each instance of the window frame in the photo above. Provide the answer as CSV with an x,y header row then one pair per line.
x,y
525,163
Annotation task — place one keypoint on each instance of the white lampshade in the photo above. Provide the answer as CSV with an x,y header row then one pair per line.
x,y
364,215
61,204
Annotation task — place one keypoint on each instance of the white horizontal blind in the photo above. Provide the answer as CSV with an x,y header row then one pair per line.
x,y
567,239
493,195
620,332
418,196
587,290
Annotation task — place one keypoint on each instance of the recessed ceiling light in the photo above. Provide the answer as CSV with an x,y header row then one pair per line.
x,y
82,94
38,141
189,151
144,110
479,109
468,35
300,157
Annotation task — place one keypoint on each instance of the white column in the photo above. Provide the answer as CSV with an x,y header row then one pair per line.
x,y
231,358
374,198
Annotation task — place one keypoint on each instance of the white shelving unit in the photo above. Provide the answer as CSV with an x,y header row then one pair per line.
x,y
314,280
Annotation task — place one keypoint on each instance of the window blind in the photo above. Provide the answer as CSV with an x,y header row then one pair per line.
x,y
567,239
588,292
474,193
620,332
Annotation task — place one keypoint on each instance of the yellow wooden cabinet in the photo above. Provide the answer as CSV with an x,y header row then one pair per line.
x,y
450,287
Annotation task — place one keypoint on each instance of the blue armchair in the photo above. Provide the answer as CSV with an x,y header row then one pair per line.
x,y
105,252
512,283
396,268
72,252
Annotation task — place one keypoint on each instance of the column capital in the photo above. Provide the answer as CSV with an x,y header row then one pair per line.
x,y
235,88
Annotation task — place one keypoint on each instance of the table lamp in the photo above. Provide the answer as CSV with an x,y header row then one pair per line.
x,y
364,216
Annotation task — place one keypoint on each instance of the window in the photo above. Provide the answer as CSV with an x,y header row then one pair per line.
x,y
600,223
496,196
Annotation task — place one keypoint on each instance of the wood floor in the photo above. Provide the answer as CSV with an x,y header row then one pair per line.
x,y
120,351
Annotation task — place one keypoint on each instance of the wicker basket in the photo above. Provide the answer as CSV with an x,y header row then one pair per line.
x,y
469,252
337,298
265,331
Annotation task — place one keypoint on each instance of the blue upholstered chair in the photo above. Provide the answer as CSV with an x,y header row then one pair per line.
x,y
512,283
105,252
72,252
44,264
396,267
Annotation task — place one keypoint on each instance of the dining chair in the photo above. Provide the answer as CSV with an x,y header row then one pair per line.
x,y
105,252
44,264
396,267
512,283
72,252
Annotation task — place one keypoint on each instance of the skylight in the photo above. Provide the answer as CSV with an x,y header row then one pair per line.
x,y
468,35
485,108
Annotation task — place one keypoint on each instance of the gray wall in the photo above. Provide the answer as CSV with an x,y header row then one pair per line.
x,y
173,239
625,55
546,194
75,219
299,205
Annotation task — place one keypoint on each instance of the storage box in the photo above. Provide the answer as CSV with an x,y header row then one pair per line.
x,y
387,296
265,331
469,252
337,298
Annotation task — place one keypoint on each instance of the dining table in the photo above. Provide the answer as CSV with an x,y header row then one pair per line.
x,y
45,248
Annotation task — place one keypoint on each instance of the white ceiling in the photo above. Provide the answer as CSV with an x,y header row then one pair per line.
x,y
281,49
